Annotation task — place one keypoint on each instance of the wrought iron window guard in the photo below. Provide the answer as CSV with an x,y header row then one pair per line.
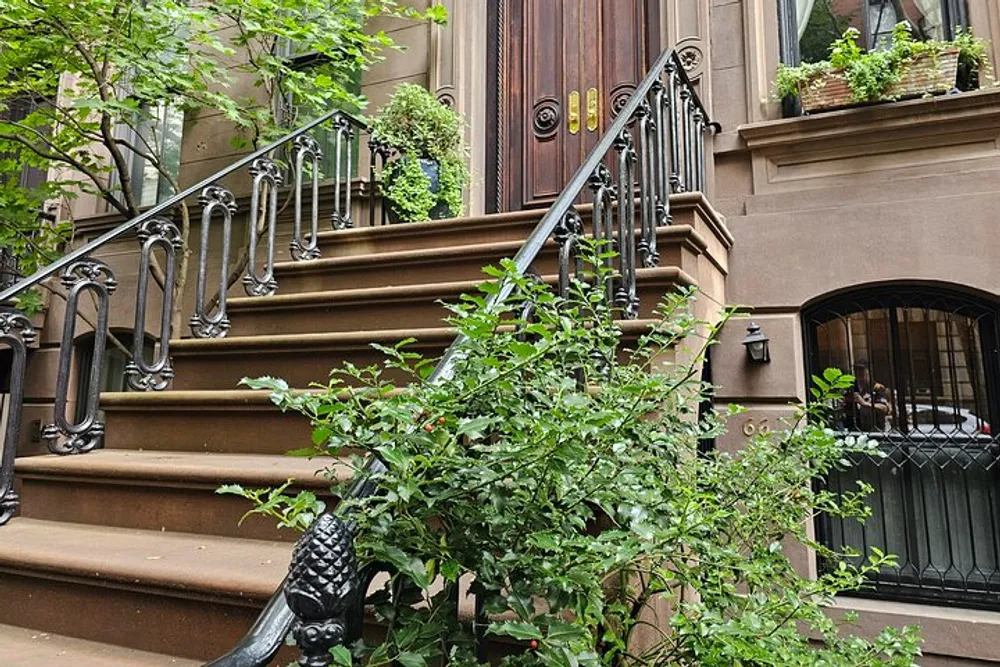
x,y
928,377
654,147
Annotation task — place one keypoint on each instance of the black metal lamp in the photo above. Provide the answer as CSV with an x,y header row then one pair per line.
x,y
757,344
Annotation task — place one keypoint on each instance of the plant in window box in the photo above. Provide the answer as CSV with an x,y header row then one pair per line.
x,y
907,69
427,178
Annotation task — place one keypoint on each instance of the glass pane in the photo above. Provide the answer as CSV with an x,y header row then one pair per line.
x,y
820,22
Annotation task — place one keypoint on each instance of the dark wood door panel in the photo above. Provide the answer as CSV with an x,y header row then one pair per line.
x,y
554,58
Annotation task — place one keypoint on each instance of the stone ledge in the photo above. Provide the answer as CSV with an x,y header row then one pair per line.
x,y
947,631
912,117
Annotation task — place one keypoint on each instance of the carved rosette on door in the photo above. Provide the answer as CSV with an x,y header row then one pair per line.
x,y
546,118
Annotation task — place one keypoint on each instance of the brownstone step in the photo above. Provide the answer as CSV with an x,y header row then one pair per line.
x,y
225,422
375,308
489,229
301,359
166,491
23,647
678,245
192,596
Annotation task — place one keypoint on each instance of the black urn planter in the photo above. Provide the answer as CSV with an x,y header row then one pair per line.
x,y
431,169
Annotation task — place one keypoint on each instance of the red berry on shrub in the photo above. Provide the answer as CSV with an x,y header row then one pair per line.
x,y
533,644
428,427
442,421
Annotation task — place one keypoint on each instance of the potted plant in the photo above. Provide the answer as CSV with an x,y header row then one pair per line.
x,y
907,69
426,179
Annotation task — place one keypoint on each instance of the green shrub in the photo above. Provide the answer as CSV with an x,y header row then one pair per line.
x,y
559,466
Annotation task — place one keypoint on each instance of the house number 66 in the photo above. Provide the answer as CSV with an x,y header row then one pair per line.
x,y
752,428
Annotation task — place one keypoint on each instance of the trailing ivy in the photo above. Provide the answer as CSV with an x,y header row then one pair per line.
x,y
558,468
870,73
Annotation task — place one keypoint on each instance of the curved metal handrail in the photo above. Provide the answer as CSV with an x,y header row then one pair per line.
x,y
157,211
561,221
546,227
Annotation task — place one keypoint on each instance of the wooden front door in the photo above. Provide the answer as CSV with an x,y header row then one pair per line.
x,y
563,68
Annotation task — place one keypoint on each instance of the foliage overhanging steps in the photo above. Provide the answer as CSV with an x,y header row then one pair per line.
x,y
127,556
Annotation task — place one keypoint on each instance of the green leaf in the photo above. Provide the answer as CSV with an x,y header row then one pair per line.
x,y
411,659
517,630
341,656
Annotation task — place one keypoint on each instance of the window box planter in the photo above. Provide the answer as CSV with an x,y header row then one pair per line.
x,y
927,74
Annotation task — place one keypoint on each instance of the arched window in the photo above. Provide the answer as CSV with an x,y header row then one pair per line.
x,y
928,390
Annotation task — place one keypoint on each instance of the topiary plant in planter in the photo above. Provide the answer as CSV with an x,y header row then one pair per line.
x,y
427,178
908,69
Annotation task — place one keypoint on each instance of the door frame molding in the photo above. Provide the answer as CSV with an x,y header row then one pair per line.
x,y
496,112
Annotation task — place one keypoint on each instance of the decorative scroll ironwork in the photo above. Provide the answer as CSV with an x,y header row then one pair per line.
x,y
320,589
140,374
266,179
343,137
307,151
204,325
17,333
62,436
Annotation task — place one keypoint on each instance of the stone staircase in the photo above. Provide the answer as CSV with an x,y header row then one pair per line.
x,y
127,556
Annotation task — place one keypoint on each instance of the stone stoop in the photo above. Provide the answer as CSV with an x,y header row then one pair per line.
x,y
127,556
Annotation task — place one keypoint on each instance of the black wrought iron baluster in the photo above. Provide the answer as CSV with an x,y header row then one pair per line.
x,y
17,333
307,150
204,325
62,436
687,112
626,296
266,179
603,222
675,144
348,138
156,375
699,149
647,186
343,134
379,151
321,587
660,143
567,236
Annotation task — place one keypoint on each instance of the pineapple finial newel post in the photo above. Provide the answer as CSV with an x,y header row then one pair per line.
x,y
320,589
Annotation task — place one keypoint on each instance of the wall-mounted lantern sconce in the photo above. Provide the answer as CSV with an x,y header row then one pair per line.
x,y
757,344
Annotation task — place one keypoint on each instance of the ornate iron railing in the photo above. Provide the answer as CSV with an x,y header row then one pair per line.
x,y
655,147
83,273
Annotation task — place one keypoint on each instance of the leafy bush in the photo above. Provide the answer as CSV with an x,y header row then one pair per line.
x,y
870,73
559,466
419,127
